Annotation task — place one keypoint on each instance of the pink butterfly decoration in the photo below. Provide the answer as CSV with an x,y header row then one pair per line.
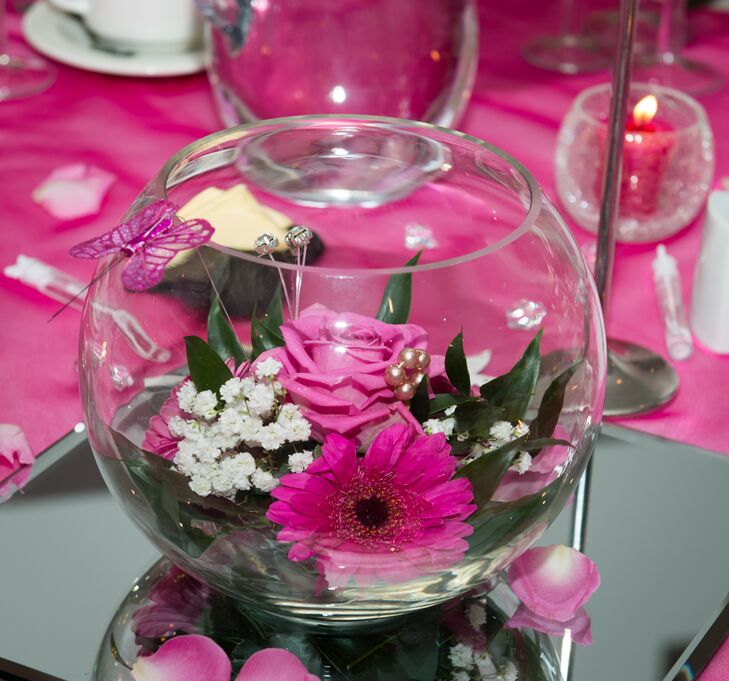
x,y
150,240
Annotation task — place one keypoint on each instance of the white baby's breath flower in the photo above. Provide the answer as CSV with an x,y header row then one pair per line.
x,y
242,464
271,437
205,403
186,396
485,665
263,480
462,437
450,411
509,672
461,655
445,426
501,433
268,368
299,461
231,390
520,429
476,615
522,463
201,485
260,399
177,426
250,430
460,676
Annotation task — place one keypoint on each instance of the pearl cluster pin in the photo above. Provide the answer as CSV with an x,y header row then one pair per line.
x,y
405,376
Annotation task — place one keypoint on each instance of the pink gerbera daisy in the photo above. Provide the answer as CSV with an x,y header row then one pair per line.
x,y
392,515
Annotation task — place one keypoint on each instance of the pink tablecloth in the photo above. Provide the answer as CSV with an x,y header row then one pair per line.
x,y
131,126
718,668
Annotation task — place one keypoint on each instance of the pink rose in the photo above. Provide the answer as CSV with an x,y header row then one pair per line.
x,y
334,368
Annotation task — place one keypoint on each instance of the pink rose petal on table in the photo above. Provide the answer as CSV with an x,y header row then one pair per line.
x,y
554,581
73,191
15,454
274,664
579,625
185,658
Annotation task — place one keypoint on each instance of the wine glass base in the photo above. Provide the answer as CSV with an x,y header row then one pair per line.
x,y
24,76
686,75
638,379
568,54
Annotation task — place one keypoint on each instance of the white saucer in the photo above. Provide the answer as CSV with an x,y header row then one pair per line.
x,y
63,37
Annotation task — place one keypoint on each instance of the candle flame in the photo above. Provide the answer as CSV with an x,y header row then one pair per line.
x,y
645,110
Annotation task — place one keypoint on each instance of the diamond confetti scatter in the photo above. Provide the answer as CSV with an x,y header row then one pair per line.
x,y
525,314
418,237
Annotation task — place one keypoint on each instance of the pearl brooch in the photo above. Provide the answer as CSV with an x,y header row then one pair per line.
x,y
405,376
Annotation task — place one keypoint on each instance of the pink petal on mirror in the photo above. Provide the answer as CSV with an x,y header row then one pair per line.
x,y
74,191
554,581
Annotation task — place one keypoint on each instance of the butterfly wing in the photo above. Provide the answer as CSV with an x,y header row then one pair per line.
x,y
147,266
118,237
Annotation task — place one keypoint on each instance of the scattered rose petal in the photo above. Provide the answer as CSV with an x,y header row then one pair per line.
x,y
15,455
554,581
274,664
579,625
192,658
73,191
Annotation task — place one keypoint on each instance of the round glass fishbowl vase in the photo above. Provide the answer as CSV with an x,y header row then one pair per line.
x,y
408,58
372,388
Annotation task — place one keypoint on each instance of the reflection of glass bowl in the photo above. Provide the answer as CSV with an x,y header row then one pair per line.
x,y
409,58
165,602
668,164
489,239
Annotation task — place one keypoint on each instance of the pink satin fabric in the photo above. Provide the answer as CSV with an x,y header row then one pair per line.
x,y
718,668
131,126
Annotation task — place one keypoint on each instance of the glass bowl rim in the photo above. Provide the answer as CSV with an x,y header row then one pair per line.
x,y
701,120
536,202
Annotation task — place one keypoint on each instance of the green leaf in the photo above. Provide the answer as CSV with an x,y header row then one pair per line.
x,y
420,404
497,523
551,405
221,336
486,472
456,366
395,305
266,332
207,370
513,391
442,402
477,417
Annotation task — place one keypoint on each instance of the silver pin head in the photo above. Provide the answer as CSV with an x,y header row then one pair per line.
x,y
266,244
298,237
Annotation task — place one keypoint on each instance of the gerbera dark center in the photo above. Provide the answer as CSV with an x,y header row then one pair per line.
x,y
372,512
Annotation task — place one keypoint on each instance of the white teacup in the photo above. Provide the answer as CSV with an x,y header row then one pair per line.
x,y
146,25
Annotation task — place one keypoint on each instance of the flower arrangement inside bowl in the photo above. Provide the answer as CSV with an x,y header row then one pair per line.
x,y
351,440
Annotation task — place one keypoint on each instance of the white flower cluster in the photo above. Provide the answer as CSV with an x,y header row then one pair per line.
x,y
470,665
249,414
445,426
501,433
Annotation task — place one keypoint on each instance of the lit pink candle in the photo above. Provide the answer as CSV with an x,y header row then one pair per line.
x,y
648,146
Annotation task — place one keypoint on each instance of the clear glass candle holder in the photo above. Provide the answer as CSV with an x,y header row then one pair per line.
x,y
395,529
668,161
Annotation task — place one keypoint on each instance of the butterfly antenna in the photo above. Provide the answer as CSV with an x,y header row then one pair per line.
x,y
81,292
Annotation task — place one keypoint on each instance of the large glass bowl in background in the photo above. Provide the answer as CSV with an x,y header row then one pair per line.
x,y
407,58
497,262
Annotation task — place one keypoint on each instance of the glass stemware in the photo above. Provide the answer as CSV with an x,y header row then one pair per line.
x,y
666,66
572,50
20,76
